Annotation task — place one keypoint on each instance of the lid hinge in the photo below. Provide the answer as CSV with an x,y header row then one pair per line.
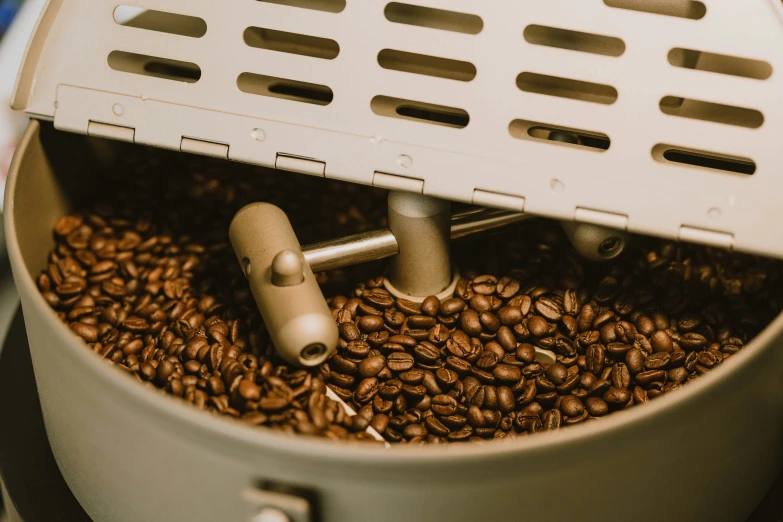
x,y
498,200
114,132
601,218
706,237
301,165
395,182
204,147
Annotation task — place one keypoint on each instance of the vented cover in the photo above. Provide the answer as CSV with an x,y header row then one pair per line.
x,y
656,116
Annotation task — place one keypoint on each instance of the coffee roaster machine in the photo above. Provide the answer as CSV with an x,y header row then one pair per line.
x,y
614,117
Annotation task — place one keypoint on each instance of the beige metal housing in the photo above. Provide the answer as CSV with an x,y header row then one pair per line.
x,y
134,454
634,114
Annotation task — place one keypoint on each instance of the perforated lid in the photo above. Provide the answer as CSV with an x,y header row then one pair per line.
x,y
657,116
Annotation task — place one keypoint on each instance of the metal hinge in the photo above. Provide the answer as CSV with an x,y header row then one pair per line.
x,y
299,164
395,182
601,218
114,132
204,147
498,200
706,237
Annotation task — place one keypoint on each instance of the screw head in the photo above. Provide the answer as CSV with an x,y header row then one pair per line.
x,y
610,247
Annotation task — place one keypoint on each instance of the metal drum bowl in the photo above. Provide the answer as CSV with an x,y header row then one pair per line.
x,y
129,453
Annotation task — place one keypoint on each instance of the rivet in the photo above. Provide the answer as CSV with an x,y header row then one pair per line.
x,y
258,134
118,109
715,213
557,186
404,160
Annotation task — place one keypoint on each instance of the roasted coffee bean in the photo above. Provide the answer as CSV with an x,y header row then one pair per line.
x,y
507,374
454,422
470,323
371,366
452,306
461,435
460,366
444,405
548,308
436,427
595,358
571,406
556,373
617,397
639,395
426,353
597,407
526,353
510,315
370,323
634,361
366,390
648,377
570,384
657,361
551,420
487,361
538,326
693,341
430,306
661,341
399,361
446,378
621,377
412,377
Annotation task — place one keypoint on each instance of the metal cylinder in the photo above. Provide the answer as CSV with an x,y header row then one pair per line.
x,y
421,225
595,243
350,250
294,309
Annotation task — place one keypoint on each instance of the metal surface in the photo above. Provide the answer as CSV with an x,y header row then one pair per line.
x,y
91,409
380,244
29,468
351,250
420,225
594,242
678,106
296,315
479,220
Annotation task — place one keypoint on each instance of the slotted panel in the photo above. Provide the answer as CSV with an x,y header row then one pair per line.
x,y
489,133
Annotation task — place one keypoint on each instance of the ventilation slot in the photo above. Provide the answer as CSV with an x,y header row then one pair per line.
x,y
426,65
556,135
433,18
292,43
420,111
160,21
574,40
714,112
154,66
567,88
285,89
720,63
679,8
327,6
663,153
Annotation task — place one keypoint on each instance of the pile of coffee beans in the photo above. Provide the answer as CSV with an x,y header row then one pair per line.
x,y
147,278
466,368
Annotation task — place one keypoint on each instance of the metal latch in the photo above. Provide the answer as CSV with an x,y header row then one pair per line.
x,y
267,505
